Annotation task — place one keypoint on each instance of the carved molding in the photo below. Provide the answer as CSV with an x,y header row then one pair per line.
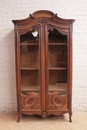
x,y
31,101
61,30
54,15
44,114
57,101
36,28
31,16
50,27
29,29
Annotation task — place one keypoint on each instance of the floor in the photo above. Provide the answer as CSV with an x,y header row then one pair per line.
x,y
8,122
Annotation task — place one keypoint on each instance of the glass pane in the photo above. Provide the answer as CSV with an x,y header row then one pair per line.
x,y
57,61
29,49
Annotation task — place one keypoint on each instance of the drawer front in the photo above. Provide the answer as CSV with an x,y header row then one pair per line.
x,y
57,102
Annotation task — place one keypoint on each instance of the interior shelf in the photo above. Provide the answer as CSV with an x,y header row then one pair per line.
x,y
57,43
62,62
29,44
57,68
55,87
30,88
58,87
29,68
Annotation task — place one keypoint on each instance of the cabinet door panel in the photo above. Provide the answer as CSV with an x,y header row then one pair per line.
x,y
30,70
57,101
56,70
31,101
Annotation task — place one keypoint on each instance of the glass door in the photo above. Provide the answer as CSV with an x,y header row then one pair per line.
x,y
30,70
57,69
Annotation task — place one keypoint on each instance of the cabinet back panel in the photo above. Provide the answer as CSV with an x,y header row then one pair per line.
x,y
57,77
57,56
55,36
30,78
29,38
29,56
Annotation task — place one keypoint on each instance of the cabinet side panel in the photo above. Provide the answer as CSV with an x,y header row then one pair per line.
x,y
15,31
17,57
70,71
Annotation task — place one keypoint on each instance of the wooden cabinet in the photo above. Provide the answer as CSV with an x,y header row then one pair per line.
x,y
43,51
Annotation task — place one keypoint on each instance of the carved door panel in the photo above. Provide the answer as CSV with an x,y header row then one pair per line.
x,y
30,69
56,69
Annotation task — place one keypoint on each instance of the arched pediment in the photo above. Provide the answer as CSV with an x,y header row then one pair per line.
x,y
43,14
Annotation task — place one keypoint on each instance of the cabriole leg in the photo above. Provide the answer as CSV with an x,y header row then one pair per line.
x,y
18,117
70,117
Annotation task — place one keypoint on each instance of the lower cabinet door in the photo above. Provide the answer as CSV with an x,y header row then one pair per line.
x,y
57,101
31,102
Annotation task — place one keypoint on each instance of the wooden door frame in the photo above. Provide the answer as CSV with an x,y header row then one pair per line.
x,y
68,65
18,32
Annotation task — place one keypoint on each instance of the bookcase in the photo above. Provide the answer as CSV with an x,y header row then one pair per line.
x,y
43,53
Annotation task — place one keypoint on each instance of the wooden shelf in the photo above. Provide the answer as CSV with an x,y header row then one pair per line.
x,y
30,88
57,44
29,44
56,87
35,44
28,68
61,62
57,68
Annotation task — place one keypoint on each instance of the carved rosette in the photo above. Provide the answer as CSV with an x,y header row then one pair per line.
x,y
57,101
43,21
31,101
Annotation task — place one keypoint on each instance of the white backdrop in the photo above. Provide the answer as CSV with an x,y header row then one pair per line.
x,y
18,9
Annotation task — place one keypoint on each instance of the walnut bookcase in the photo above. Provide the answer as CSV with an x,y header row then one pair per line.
x,y
43,51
